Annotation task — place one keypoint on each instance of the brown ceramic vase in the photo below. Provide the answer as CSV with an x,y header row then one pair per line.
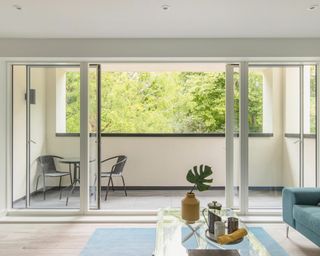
x,y
190,208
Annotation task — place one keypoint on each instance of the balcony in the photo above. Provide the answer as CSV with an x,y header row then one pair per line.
x,y
157,165
154,182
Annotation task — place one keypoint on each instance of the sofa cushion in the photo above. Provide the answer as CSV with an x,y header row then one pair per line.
x,y
308,216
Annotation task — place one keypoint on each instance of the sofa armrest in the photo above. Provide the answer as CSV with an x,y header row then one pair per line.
x,y
302,196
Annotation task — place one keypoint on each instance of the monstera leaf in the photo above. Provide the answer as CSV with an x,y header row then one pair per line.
x,y
198,176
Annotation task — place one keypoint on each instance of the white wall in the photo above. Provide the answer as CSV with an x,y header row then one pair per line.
x,y
268,100
309,162
291,110
265,154
291,100
271,48
19,132
38,128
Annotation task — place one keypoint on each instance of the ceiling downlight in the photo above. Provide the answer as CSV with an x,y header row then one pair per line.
x,y
17,7
313,7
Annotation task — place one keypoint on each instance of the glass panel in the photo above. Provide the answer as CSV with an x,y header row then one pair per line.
x,y
19,163
162,98
309,126
54,109
291,142
236,141
274,114
93,138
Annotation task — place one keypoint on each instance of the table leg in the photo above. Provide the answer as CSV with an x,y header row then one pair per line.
x,y
193,232
71,181
198,237
76,179
74,182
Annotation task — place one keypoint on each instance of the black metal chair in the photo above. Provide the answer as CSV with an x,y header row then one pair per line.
x,y
116,171
47,167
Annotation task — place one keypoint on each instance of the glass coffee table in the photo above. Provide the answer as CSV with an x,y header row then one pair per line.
x,y
174,236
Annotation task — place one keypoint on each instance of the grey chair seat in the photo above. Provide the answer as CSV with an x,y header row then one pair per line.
x,y
107,174
57,174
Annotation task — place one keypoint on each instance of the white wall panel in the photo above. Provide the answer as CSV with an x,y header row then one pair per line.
x,y
162,48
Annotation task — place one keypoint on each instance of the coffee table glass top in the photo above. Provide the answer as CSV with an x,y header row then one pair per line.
x,y
175,236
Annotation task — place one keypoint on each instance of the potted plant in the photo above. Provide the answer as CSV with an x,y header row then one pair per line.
x,y
199,177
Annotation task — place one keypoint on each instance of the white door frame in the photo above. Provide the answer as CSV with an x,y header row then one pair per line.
x,y
318,124
229,131
84,137
243,136
84,195
301,126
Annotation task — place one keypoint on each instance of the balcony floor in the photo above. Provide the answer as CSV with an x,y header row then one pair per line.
x,y
150,199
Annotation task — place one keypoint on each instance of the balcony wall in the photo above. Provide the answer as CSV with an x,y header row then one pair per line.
x,y
163,161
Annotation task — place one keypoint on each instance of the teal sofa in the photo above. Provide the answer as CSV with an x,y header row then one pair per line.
x,y
301,211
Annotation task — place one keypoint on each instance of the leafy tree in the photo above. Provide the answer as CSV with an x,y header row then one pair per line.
x,y
73,102
206,111
255,104
312,100
161,102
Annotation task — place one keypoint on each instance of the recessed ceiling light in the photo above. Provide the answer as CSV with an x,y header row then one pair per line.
x,y
313,7
17,7
165,7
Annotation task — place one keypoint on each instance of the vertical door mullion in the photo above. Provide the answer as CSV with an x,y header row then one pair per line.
x,y
229,135
28,116
84,137
9,141
317,124
99,134
244,130
301,128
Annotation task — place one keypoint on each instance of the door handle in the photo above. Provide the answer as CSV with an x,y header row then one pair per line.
x,y
33,141
297,141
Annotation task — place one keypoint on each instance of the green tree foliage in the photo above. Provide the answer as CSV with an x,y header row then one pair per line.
x,y
206,111
73,102
161,102
255,113
312,100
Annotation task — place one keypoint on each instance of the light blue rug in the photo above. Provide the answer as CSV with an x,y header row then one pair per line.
x,y
121,242
141,242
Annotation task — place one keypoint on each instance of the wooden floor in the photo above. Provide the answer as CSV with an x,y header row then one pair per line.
x,y
69,239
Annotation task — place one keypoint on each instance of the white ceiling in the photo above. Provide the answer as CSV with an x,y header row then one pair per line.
x,y
146,19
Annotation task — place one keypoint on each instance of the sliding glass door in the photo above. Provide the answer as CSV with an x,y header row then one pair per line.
x,y
309,175
46,146
232,136
256,125
282,125
165,118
